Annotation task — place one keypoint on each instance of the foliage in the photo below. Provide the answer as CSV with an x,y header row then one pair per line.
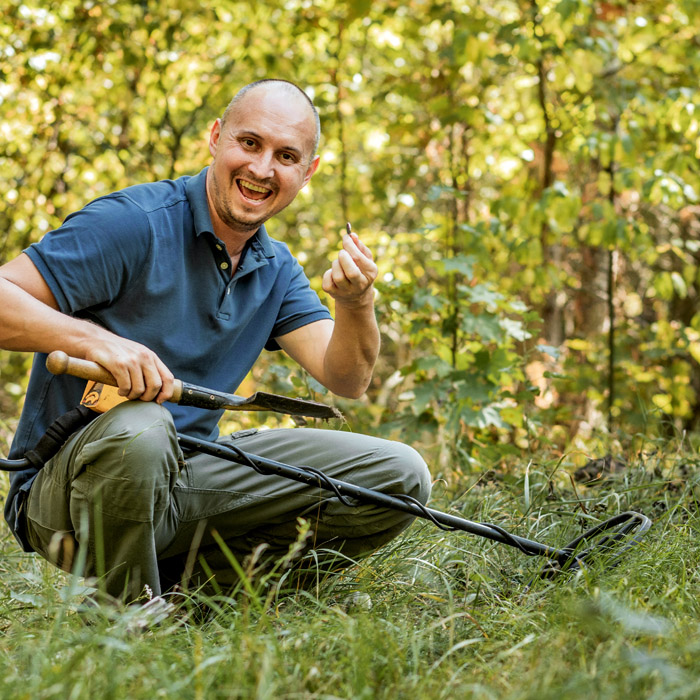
x,y
525,172
467,373
448,614
504,160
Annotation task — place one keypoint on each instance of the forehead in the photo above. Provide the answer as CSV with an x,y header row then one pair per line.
x,y
275,114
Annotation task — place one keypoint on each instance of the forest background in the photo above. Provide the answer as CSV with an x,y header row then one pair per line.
x,y
526,174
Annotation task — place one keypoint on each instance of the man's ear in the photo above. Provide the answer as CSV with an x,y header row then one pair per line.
x,y
313,167
214,136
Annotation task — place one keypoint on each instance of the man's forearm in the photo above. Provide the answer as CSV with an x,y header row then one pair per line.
x,y
30,322
352,350
341,354
30,325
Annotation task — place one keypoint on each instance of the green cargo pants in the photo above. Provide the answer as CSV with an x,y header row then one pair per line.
x,y
121,493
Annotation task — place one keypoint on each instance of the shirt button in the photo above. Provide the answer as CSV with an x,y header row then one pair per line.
x,y
218,247
224,266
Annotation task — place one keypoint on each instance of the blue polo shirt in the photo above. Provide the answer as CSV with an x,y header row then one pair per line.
x,y
145,263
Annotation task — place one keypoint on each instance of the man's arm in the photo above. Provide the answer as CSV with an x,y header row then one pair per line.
x,y
31,322
341,354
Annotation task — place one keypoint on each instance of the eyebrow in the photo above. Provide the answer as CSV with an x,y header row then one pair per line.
x,y
254,134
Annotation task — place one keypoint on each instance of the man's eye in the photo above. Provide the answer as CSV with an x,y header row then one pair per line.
x,y
249,142
288,157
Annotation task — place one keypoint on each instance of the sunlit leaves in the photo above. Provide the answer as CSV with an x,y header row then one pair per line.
x,y
487,152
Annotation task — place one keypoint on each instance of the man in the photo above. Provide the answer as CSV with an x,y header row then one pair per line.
x,y
179,278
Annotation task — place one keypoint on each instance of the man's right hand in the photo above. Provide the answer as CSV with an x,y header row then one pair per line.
x,y
139,372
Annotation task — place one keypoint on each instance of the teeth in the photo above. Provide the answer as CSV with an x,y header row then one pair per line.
x,y
255,188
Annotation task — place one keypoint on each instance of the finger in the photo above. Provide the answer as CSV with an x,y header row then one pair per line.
x,y
327,277
167,385
120,371
354,274
340,271
351,247
327,283
362,247
364,262
354,246
123,377
362,271
138,383
158,380
138,371
152,381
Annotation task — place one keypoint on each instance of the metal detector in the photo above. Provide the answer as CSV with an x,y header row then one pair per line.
x,y
606,541
616,535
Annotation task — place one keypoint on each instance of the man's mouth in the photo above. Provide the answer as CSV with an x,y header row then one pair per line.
x,y
252,191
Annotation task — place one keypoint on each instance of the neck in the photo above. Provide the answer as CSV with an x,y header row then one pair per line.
x,y
234,241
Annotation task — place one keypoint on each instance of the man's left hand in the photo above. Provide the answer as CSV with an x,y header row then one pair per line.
x,y
351,277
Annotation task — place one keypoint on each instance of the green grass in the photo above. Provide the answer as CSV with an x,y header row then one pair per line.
x,y
450,617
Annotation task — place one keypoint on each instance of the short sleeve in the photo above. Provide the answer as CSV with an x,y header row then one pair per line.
x,y
300,306
89,259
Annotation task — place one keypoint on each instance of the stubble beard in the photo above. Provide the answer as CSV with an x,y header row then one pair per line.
x,y
225,213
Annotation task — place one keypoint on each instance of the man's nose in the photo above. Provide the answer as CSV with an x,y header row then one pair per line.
x,y
262,165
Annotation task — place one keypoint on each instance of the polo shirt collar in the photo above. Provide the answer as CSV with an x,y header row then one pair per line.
x,y
196,190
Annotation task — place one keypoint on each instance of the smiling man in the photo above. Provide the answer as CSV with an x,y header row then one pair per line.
x,y
180,278
249,146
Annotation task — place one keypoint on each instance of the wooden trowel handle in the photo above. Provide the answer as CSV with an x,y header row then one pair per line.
x,y
59,363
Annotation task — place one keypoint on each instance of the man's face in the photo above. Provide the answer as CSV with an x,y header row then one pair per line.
x,y
262,156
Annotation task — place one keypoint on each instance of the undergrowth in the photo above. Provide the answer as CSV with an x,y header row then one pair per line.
x,y
434,614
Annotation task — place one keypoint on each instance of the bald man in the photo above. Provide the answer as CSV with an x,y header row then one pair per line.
x,y
180,278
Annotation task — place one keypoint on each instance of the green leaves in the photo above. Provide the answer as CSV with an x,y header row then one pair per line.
x,y
492,155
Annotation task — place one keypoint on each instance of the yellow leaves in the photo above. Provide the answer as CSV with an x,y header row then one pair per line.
x,y
632,305
694,350
579,344
667,284
645,377
579,73
385,37
431,95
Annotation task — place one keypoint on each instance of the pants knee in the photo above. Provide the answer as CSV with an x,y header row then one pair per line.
x,y
132,459
409,469
136,435
395,469
419,474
